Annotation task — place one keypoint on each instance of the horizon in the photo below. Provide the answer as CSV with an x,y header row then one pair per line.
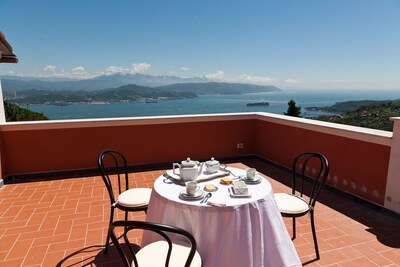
x,y
340,45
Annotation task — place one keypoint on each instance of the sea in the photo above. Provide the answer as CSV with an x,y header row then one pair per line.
x,y
206,104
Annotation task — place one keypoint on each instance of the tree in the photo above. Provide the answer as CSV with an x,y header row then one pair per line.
x,y
16,113
293,110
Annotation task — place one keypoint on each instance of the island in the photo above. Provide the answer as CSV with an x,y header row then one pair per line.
x,y
263,103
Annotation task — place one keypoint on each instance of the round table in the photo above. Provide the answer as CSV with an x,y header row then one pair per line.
x,y
244,232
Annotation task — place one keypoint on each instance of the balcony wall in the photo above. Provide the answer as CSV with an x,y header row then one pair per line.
x,y
56,146
359,158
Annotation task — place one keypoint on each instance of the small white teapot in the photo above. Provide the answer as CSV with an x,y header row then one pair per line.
x,y
188,170
212,166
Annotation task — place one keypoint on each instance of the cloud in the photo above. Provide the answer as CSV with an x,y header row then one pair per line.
x,y
140,68
135,68
218,75
78,69
80,73
50,68
115,69
292,81
246,78
185,68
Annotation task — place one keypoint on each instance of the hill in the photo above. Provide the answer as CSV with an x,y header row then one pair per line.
x,y
346,106
16,113
375,115
131,92
98,83
219,88
12,83
123,93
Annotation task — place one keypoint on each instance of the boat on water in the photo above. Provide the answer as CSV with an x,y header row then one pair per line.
x,y
263,103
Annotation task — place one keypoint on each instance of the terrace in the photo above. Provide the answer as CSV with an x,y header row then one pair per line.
x,y
54,206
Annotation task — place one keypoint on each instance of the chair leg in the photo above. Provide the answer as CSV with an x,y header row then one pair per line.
x,y
108,232
314,235
125,228
294,227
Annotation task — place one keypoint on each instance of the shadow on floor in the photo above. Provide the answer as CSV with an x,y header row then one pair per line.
x,y
94,256
384,224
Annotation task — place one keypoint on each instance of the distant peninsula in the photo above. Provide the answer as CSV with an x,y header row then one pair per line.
x,y
365,113
130,92
346,106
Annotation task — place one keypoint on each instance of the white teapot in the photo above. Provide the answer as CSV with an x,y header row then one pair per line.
x,y
188,170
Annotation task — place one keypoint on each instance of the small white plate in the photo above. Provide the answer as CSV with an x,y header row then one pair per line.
x,y
198,195
216,188
255,181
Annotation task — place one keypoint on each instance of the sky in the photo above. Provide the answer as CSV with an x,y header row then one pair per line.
x,y
308,44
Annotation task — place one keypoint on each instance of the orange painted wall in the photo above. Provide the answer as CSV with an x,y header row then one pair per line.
x,y
31,151
355,166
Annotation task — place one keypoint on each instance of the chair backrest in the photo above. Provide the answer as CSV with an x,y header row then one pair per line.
x,y
310,166
160,229
112,162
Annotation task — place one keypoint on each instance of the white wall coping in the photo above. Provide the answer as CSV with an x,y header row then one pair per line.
x,y
347,131
343,130
395,118
126,121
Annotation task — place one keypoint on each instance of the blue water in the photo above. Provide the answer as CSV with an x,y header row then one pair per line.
x,y
214,104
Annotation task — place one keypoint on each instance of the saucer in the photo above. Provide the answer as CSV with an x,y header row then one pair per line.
x,y
198,195
255,181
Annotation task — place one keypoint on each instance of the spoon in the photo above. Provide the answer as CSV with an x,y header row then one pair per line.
x,y
206,198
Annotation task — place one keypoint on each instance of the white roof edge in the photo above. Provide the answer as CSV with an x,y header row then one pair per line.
x,y
358,133
88,123
395,118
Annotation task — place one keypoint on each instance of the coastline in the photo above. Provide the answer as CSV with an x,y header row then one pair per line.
x,y
204,104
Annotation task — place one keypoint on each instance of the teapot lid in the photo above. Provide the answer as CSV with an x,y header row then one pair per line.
x,y
212,162
188,163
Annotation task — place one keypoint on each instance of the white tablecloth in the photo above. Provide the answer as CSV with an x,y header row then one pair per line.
x,y
247,232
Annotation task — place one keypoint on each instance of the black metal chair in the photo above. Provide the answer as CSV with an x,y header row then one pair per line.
x,y
160,253
114,171
312,167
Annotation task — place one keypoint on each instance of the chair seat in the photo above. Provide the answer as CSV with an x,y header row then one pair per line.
x,y
291,204
134,197
155,254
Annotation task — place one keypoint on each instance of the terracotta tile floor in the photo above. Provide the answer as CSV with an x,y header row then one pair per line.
x,y
64,223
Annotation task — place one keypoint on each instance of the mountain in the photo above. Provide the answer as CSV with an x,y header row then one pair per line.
x,y
195,84
219,88
130,92
12,83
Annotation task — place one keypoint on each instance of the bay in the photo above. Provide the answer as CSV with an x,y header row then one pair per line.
x,y
215,104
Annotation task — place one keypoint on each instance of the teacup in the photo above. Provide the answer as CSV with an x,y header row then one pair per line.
x,y
191,188
251,173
